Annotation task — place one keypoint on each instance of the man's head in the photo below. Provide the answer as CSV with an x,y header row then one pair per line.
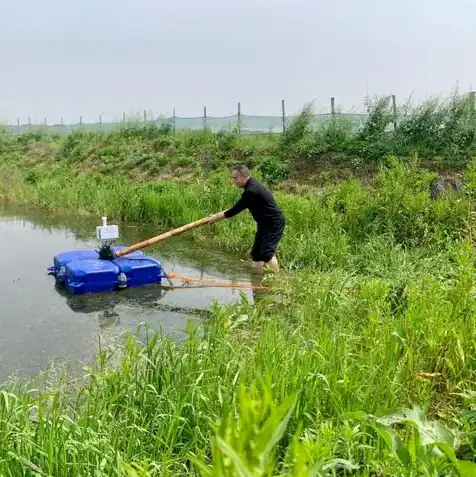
x,y
240,175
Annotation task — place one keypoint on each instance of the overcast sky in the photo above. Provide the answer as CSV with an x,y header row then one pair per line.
x,y
103,57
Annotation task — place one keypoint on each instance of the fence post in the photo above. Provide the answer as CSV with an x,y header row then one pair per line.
x,y
394,109
124,118
239,118
333,106
29,122
174,117
472,102
18,124
145,116
204,118
283,112
207,162
100,121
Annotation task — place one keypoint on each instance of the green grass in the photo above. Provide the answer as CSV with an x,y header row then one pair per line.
x,y
315,378
325,231
440,131
320,381
136,151
360,363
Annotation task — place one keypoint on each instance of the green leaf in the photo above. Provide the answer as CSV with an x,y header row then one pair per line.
x,y
465,468
430,432
286,409
239,465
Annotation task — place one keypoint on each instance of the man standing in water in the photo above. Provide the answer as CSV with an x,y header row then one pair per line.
x,y
266,213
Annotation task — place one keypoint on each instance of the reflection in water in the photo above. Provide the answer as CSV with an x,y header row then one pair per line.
x,y
263,293
149,297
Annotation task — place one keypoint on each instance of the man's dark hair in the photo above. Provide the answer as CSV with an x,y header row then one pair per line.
x,y
243,169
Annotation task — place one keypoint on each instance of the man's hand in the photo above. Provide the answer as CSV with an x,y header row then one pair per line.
x,y
216,217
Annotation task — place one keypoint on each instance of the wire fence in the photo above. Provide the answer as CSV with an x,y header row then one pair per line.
x,y
240,123
245,124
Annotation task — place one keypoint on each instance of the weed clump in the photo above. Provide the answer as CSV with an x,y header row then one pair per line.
x,y
435,130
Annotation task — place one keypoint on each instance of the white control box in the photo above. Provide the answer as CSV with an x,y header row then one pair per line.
x,y
107,232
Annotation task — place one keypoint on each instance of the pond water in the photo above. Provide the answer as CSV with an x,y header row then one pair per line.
x,y
39,324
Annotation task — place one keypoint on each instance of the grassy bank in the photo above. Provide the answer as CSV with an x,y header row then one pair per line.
x,y
323,383
325,229
439,131
362,364
376,321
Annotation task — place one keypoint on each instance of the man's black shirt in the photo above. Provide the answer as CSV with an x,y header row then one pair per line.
x,y
261,204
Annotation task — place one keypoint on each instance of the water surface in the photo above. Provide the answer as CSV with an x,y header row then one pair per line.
x,y
39,324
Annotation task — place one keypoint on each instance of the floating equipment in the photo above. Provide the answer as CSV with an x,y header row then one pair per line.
x,y
83,271
112,267
93,271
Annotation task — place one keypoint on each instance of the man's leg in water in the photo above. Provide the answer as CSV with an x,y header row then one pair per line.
x,y
270,242
257,271
263,254
257,276
273,264
257,268
256,252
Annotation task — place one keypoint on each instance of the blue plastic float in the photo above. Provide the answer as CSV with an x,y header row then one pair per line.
x,y
85,271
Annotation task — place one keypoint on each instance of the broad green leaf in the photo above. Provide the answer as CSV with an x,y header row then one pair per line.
x,y
466,468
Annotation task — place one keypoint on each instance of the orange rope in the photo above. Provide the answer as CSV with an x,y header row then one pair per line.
x,y
215,283
222,284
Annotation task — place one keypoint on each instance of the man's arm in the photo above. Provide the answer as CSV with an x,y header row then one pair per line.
x,y
241,205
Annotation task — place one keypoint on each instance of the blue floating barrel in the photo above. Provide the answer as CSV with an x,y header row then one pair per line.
x,y
82,271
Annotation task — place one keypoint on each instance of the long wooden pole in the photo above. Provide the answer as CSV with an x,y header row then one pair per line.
x,y
166,235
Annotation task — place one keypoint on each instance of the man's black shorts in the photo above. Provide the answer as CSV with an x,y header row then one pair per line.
x,y
266,240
